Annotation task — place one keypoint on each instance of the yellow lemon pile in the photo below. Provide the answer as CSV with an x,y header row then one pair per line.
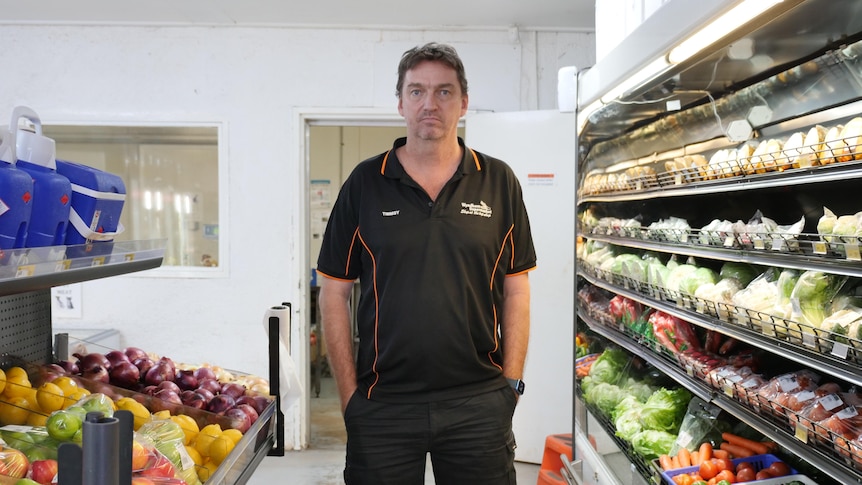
x,y
213,445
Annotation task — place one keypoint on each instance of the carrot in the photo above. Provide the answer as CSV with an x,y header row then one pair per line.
x,y
665,462
705,451
735,450
719,453
675,460
755,447
695,458
684,457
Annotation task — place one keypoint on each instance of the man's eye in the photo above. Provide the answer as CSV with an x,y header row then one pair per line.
x,y
415,92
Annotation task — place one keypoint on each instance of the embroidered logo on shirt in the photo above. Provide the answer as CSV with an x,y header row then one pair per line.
x,y
481,209
390,213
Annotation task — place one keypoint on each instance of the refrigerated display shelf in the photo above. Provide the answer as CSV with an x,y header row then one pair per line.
x,y
808,349
829,460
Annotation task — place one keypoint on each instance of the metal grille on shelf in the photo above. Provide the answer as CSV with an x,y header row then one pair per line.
x,y
25,328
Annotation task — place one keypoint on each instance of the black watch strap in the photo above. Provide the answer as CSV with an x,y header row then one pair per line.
x,y
517,385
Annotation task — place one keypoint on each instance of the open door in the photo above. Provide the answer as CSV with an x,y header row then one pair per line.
x,y
540,147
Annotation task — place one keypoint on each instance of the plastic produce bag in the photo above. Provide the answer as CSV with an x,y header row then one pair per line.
x,y
812,297
700,424
168,438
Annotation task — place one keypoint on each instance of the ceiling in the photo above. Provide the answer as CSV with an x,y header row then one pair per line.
x,y
557,15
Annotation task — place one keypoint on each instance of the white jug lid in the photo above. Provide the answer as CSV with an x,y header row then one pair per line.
x,y
32,146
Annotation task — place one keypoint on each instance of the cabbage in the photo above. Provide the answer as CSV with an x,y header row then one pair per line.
x,y
651,443
826,224
677,274
743,272
610,366
605,396
812,296
657,274
639,390
721,292
627,421
846,226
694,279
665,409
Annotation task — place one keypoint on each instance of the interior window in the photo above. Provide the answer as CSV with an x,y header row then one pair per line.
x,y
171,176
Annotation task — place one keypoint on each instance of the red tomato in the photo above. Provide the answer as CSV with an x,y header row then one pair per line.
x,y
746,474
743,465
763,475
779,469
723,464
708,469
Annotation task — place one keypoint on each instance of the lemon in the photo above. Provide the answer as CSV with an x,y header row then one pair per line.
x,y
76,395
234,434
17,373
205,437
66,383
163,414
140,412
14,410
220,448
2,380
206,470
50,397
37,419
17,386
188,425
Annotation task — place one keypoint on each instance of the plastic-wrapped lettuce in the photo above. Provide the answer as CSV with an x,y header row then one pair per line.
x,y
721,292
844,325
760,295
743,272
629,265
693,280
652,443
676,276
665,409
657,274
848,227
826,224
812,297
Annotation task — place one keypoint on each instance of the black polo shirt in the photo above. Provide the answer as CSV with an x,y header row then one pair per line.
x,y
431,274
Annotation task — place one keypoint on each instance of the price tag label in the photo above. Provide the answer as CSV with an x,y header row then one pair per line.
x,y
830,402
62,265
801,433
820,247
677,179
778,244
840,350
852,251
639,185
728,390
99,261
622,327
684,438
700,306
129,257
689,370
723,313
758,242
809,340
729,241
26,270
847,413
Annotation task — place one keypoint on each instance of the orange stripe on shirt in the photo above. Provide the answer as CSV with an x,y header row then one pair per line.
x,y
494,307
376,314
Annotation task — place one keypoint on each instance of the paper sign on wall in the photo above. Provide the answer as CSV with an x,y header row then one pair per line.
x,y
66,301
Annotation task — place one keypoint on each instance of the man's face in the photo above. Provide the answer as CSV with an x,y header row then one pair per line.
x,y
431,101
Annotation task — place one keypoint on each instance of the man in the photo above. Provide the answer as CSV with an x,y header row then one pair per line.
x,y
439,238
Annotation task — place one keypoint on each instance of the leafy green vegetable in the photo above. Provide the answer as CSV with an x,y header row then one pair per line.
x,y
605,396
743,272
665,409
639,390
628,421
651,443
693,280
610,366
813,294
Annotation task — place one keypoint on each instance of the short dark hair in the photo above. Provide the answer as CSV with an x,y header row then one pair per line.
x,y
431,51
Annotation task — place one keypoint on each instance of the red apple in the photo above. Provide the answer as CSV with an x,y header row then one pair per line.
x,y
43,471
15,463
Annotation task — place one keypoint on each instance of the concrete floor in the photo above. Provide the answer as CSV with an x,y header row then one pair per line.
x,y
322,462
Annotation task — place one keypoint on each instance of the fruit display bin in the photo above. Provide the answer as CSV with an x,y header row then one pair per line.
x,y
758,462
255,444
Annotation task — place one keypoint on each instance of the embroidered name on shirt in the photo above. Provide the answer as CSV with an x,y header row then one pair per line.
x,y
390,213
481,209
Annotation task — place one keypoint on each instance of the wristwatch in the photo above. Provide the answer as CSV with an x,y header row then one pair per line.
x,y
517,385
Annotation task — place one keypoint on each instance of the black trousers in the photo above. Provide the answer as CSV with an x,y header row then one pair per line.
x,y
470,441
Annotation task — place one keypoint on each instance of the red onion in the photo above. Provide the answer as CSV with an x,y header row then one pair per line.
x,y
134,353
116,356
97,373
169,386
220,403
159,373
258,405
186,379
210,385
70,366
233,390
144,364
250,411
91,361
239,419
206,393
202,373
125,374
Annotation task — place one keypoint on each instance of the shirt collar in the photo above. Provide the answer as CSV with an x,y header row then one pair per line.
x,y
392,166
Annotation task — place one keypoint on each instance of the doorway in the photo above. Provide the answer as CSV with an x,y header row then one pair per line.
x,y
332,145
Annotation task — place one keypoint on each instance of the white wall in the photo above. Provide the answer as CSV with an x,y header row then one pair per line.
x,y
251,80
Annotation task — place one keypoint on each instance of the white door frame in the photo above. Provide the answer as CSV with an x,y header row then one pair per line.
x,y
303,119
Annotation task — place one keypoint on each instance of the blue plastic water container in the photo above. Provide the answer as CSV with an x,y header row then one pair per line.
x,y
52,192
16,206
52,196
97,203
16,197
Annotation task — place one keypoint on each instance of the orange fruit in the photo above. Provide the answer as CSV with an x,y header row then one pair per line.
x,y
14,410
